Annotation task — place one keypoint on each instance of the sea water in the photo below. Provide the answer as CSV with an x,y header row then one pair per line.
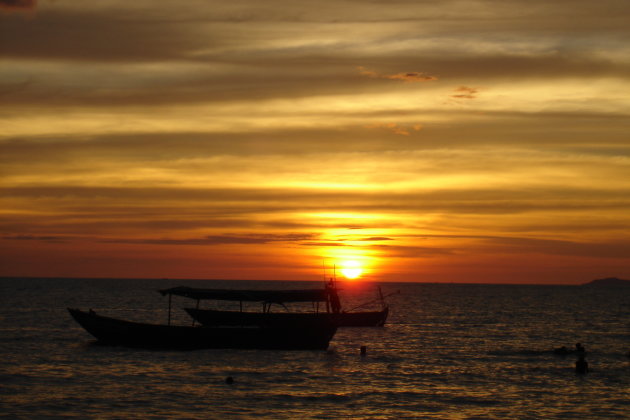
x,y
448,351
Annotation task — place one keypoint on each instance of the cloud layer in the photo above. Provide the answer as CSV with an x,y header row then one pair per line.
x,y
428,141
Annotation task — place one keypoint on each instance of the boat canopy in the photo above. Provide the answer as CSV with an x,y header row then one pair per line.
x,y
268,296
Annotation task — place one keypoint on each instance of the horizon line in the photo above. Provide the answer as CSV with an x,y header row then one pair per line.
x,y
301,281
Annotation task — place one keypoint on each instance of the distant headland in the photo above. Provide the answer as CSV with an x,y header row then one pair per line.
x,y
609,281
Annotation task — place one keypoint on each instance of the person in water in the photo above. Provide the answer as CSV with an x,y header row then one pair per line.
x,y
580,348
581,365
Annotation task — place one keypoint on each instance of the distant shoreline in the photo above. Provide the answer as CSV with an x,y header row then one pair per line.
x,y
607,282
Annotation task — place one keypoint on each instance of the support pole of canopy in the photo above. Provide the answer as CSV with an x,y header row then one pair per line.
x,y
197,307
169,308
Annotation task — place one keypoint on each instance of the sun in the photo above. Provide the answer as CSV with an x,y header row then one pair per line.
x,y
351,269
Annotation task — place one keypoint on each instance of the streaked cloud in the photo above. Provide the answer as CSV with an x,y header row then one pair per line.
x,y
404,77
221,240
396,128
465,92
17,5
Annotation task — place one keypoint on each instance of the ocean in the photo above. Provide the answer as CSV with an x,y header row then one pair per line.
x,y
448,351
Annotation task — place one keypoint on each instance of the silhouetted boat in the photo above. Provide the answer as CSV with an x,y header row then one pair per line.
x,y
363,319
135,334
333,312
210,317
366,318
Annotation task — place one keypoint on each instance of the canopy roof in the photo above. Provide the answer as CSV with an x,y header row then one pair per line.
x,y
269,296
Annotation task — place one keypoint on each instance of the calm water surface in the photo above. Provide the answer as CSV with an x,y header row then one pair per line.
x,y
447,352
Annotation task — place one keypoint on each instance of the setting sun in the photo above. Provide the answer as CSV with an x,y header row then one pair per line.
x,y
351,269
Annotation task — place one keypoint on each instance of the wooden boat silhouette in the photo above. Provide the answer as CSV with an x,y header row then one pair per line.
x,y
209,317
135,334
332,312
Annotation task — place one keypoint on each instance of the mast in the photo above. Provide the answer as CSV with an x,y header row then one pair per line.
x,y
335,303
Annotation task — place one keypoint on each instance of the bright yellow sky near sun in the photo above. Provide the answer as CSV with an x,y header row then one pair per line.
x,y
470,141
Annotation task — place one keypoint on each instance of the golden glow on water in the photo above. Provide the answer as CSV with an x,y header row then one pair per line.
x,y
451,347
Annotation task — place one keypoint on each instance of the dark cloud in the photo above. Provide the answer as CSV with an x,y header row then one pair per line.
x,y
567,131
401,129
413,251
98,36
18,5
493,244
403,77
343,241
508,66
234,203
324,244
480,243
270,78
465,92
38,238
237,34
594,248
251,239
136,221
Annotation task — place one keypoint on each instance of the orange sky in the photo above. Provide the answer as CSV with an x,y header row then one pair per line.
x,y
454,141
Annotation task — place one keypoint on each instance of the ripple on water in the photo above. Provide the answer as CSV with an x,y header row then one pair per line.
x,y
450,351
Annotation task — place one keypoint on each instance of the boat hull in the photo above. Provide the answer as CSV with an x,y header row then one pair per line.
x,y
209,317
363,319
134,334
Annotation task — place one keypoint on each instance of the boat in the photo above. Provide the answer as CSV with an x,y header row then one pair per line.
x,y
328,295
210,317
367,318
114,331
363,319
